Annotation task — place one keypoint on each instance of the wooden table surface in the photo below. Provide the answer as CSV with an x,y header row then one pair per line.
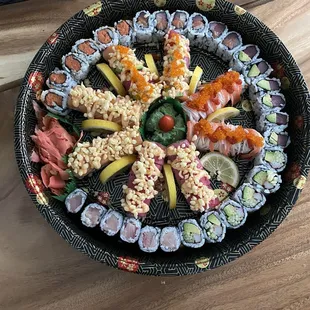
x,y
39,270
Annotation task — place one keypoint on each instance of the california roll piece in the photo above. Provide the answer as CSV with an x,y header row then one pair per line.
x,y
89,49
170,240
264,179
130,230
215,34
124,29
268,102
161,25
77,65
75,201
179,21
227,139
92,215
249,197
55,101
197,29
213,226
234,214
274,158
258,69
60,80
143,24
277,137
191,234
273,119
149,239
231,43
244,57
192,178
263,86
105,36
111,223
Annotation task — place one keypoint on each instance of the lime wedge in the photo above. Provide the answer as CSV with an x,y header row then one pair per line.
x,y
223,114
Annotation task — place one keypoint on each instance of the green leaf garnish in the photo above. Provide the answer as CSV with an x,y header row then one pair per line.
x,y
65,121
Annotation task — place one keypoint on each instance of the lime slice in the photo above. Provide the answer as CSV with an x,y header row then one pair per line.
x,y
223,114
99,126
222,166
171,187
113,80
195,80
151,63
116,167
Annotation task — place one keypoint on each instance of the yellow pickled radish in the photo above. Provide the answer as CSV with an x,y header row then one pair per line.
x,y
171,187
99,125
223,114
195,80
151,63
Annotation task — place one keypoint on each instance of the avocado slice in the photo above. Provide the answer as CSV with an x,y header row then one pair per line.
x,y
214,220
229,210
260,177
272,118
273,138
254,71
270,156
248,193
264,84
244,57
267,101
191,232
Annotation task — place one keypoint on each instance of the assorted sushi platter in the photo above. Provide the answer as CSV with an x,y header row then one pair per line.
x,y
155,137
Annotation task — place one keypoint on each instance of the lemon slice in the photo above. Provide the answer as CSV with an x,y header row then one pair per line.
x,y
113,80
195,80
151,63
99,126
171,187
223,114
116,167
221,166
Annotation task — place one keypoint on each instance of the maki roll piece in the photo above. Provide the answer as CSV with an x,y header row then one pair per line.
x,y
256,70
263,86
161,25
244,57
55,101
143,24
149,239
179,21
60,80
77,65
105,37
213,226
191,234
249,197
89,49
197,28
275,118
130,230
234,214
274,158
277,137
124,29
170,240
215,34
92,215
111,223
75,201
264,179
231,43
268,102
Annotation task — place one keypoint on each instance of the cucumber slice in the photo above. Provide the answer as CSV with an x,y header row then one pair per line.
x,y
248,193
260,177
244,57
214,220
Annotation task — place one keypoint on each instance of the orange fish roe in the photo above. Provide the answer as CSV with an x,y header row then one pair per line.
x,y
122,49
254,140
210,91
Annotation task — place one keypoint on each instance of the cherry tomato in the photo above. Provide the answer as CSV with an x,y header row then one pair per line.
x,y
166,123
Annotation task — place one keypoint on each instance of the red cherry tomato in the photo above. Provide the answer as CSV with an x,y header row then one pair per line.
x,y
166,123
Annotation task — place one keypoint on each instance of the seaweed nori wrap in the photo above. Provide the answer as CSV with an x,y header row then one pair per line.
x,y
130,230
111,223
214,35
55,101
263,86
170,240
231,43
269,102
179,21
143,24
256,70
213,226
92,215
60,80
75,201
149,239
124,29
234,214
191,234
274,158
276,137
244,57
105,36
89,49
273,119
76,64
161,25
197,28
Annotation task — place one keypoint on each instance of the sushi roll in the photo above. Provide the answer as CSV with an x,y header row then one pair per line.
x,y
215,34
276,137
262,86
89,49
273,157
130,230
161,25
149,239
274,118
143,24
77,65
170,240
264,179
231,43
213,226
124,29
234,214
256,70
111,223
179,21
268,102
60,80
55,101
244,57
92,215
191,234
75,201
249,197
197,28
105,36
